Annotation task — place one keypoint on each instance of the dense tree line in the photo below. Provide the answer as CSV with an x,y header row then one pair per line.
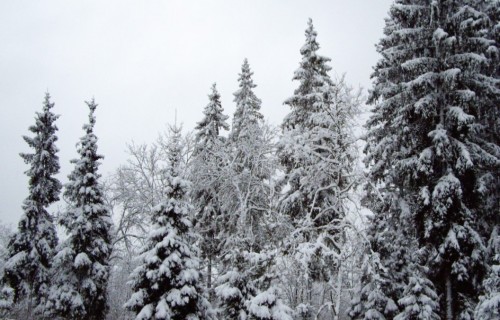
x,y
249,221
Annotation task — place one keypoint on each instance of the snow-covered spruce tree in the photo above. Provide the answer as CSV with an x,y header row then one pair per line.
x,y
317,152
31,249
205,173
384,270
247,114
419,300
426,141
247,288
167,284
250,167
81,265
244,280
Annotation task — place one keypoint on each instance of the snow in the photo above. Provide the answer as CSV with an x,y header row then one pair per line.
x,y
82,260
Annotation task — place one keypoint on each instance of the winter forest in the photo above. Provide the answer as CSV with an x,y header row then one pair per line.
x,y
308,220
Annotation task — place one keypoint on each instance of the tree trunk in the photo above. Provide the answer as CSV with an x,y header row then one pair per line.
x,y
449,298
339,292
209,277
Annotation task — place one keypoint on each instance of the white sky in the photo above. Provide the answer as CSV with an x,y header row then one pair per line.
x,y
141,60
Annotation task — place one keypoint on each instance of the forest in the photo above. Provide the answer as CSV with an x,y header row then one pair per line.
x,y
303,221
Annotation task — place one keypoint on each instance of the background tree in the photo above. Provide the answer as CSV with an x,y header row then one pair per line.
x,y
246,194
318,155
81,266
167,284
205,172
31,249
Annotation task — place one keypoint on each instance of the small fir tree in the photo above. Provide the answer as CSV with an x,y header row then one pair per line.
x,y
419,299
167,284
31,249
81,266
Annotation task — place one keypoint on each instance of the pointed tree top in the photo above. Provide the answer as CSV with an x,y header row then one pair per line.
x,y
214,87
47,105
245,77
92,106
311,44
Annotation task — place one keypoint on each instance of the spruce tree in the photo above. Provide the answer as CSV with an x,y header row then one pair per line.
x,y
244,280
419,300
384,269
81,266
426,140
317,153
249,167
247,114
205,173
31,249
316,149
167,283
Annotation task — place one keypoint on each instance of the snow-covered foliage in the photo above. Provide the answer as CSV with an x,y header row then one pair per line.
x,y
247,114
205,172
248,288
81,265
246,194
317,151
489,303
430,141
419,299
276,217
31,249
167,284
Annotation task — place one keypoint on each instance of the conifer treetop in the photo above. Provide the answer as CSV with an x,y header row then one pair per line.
x,y
44,162
31,249
315,85
248,106
82,262
213,121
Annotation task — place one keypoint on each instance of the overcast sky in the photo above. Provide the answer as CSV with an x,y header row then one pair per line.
x,y
141,60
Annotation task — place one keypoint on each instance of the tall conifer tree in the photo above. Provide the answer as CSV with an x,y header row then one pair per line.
x,y
317,152
81,266
244,288
31,249
432,88
205,172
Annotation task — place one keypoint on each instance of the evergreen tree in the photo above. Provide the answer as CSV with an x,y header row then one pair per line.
x,y
31,249
235,286
384,269
247,115
371,300
205,172
419,299
246,194
316,149
317,152
426,139
208,138
249,168
247,289
81,266
167,284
